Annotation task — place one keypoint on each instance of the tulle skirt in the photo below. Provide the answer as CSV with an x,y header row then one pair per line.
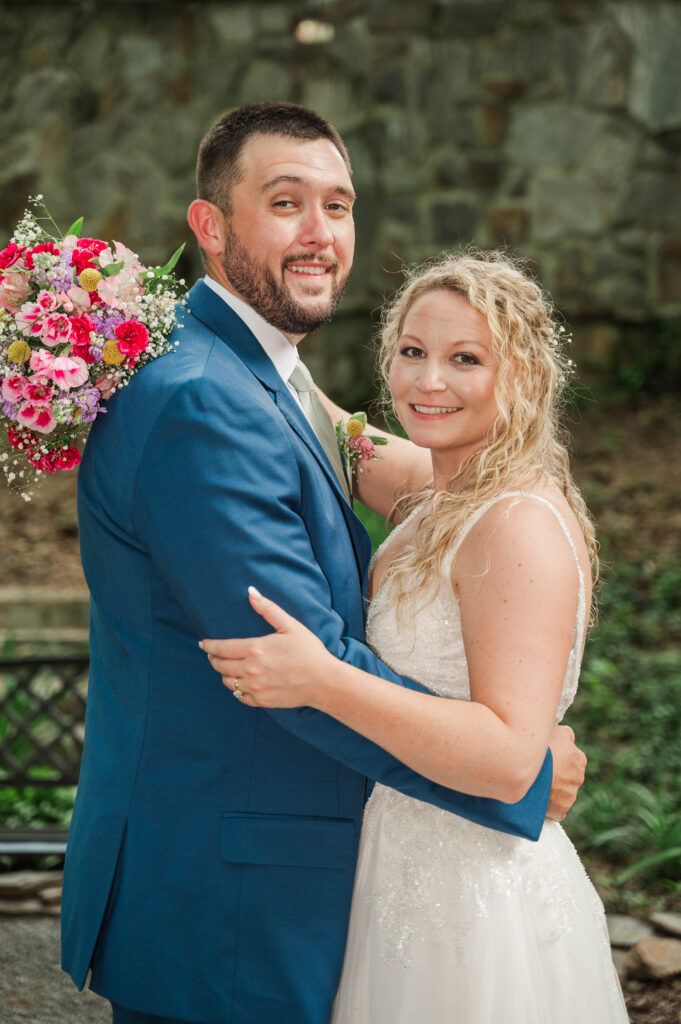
x,y
455,924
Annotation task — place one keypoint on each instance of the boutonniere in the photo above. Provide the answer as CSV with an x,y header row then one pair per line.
x,y
356,446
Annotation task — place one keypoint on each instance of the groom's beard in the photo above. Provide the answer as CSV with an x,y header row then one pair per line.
x,y
256,284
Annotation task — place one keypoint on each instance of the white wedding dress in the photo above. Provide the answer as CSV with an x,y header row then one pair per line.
x,y
453,923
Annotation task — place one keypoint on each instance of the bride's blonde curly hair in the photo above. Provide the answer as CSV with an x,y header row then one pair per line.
x,y
526,441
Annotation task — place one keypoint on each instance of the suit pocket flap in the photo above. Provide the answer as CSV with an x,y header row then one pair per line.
x,y
288,840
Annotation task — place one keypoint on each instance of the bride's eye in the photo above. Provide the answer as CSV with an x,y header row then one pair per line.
x,y
466,359
411,351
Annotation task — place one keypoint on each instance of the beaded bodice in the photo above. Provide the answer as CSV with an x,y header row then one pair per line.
x,y
425,642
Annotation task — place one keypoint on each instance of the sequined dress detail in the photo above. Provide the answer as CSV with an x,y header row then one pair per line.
x,y
453,923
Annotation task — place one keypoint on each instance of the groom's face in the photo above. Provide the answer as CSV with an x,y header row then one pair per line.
x,y
290,236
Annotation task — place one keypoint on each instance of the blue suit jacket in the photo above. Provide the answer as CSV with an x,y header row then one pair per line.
x,y
211,855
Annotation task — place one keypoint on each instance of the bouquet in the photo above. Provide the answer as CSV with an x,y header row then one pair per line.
x,y
78,317
356,446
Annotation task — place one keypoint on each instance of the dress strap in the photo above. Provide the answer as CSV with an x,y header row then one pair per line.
x,y
475,517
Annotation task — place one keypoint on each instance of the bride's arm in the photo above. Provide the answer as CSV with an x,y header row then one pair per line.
x,y
517,617
400,467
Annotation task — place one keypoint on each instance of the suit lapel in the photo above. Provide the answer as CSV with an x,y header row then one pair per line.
x,y
214,312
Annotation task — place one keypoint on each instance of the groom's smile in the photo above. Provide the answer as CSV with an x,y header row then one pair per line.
x,y
289,238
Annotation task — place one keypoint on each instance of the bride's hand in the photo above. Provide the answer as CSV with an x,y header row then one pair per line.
x,y
284,669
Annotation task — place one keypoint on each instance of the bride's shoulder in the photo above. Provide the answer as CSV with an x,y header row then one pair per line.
x,y
535,525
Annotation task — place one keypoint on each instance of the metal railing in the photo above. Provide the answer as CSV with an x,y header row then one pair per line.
x,y
42,720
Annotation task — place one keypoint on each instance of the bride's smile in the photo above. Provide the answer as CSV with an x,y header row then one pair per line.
x,y
442,378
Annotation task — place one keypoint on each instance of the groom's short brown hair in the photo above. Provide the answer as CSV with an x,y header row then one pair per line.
x,y
217,166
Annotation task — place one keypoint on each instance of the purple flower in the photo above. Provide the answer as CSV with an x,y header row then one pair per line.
x,y
87,399
107,320
10,409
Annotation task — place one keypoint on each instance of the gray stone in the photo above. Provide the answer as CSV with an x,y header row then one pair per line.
x,y
387,16
654,958
469,18
454,221
333,99
232,25
23,908
668,922
555,135
619,958
626,931
449,73
51,897
655,91
18,884
265,80
564,206
652,199
604,73
508,224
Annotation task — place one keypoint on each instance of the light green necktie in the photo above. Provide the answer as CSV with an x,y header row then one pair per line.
x,y
319,418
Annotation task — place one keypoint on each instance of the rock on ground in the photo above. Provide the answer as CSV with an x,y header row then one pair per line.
x,y
33,988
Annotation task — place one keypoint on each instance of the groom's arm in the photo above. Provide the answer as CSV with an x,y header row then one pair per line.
x,y
218,503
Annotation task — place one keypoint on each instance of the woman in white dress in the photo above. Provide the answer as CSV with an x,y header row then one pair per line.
x,y
482,593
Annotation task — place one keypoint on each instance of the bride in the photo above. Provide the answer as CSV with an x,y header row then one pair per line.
x,y
482,593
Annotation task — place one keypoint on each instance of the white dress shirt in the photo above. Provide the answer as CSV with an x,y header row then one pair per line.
x,y
283,354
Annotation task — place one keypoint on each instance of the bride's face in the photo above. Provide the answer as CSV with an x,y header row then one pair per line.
x,y
442,378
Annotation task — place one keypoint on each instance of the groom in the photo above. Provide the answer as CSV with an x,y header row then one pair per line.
x,y
211,855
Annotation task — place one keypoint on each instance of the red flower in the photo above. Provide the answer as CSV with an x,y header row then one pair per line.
x,y
95,245
10,255
133,338
24,438
83,259
43,462
41,247
66,458
81,326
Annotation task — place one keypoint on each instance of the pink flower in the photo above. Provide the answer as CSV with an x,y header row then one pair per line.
x,y
69,372
37,394
30,319
39,417
41,364
13,388
107,384
79,297
363,445
14,289
47,301
56,329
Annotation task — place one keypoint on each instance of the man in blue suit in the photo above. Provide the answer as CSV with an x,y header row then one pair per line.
x,y
211,855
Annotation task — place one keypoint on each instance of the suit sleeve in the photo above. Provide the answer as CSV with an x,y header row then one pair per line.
x,y
217,501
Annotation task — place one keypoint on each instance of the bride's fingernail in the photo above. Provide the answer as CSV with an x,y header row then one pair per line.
x,y
201,644
253,592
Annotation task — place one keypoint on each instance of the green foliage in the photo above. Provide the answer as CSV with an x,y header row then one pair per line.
x,y
627,717
374,524
644,362
32,806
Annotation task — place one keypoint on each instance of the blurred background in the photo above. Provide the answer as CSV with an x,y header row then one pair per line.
x,y
551,128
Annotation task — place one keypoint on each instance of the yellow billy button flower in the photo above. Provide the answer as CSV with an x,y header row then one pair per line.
x,y
112,355
89,279
354,427
19,352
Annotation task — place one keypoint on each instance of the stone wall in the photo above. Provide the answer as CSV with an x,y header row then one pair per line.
x,y
550,126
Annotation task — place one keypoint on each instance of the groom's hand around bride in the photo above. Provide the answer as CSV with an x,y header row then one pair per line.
x,y
569,765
